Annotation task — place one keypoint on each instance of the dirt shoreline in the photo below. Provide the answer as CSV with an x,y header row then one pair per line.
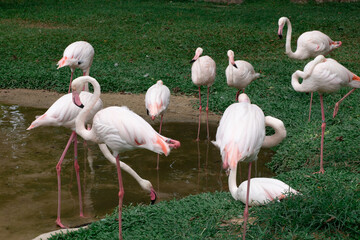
x,y
181,108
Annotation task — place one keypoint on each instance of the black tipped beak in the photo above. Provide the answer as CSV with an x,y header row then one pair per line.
x,y
147,112
235,65
81,106
153,200
280,36
193,60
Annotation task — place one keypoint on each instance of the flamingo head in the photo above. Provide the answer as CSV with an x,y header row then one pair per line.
x,y
281,24
244,98
230,54
77,86
153,196
198,53
160,82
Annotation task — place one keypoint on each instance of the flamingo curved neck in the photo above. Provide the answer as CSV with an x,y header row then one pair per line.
x,y
278,136
105,150
288,50
88,135
233,188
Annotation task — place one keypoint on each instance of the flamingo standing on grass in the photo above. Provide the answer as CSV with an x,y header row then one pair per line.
x,y
203,72
157,99
119,128
240,135
309,44
78,54
62,113
324,75
239,73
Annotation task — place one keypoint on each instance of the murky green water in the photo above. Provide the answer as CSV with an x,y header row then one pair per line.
x,y
28,185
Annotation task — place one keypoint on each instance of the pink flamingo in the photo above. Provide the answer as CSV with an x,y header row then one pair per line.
x,y
119,128
78,54
324,75
309,45
262,190
62,113
203,72
240,135
239,73
157,99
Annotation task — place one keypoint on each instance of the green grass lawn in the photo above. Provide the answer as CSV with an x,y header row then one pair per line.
x,y
138,42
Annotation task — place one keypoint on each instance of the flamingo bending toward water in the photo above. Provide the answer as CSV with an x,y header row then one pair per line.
x,y
119,128
203,71
78,54
309,45
62,113
157,99
239,73
240,135
324,75
262,190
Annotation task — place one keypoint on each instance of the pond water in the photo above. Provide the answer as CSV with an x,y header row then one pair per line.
x,y
28,184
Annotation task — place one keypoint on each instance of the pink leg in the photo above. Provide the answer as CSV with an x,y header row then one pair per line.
x,y
58,170
71,77
198,139
76,166
246,211
207,114
158,156
310,105
121,194
323,125
336,109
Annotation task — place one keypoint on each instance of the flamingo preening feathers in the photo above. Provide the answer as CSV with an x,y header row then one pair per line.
x,y
324,75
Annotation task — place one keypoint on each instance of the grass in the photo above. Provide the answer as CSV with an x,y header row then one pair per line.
x,y
139,42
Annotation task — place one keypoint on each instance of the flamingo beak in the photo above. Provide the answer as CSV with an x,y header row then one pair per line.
x,y
153,196
76,99
235,65
193,60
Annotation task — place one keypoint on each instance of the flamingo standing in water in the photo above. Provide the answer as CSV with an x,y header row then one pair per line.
x,y
262,190
62,113
240,135
239,73
309,44
203,72
78,54
119,128
157,99
324,75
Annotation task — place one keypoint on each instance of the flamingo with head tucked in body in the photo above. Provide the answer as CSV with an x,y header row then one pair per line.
x,y
240,135
239,73
203,71
78,54
157,99
309,44
324,75
119,128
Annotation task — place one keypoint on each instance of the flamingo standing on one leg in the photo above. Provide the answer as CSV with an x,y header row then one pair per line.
x,y
324,75
157,99
78,54
262,190
203,72
239,73
119,128
240,135
63,113
309,44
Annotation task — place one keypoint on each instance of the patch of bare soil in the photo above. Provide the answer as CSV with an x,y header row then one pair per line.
x,y
181,108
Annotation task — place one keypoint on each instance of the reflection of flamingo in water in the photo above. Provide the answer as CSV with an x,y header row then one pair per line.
x,y
78,54
119,128
203,72
324,75
240,135
157,99
63,113
309,45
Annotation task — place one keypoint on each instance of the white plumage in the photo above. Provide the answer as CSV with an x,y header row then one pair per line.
x,y
239,73
157,99
309,44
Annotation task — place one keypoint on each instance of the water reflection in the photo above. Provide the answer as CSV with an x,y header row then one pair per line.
x,y
28,185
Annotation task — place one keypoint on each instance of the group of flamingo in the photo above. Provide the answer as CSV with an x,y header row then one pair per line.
x,y
241,131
